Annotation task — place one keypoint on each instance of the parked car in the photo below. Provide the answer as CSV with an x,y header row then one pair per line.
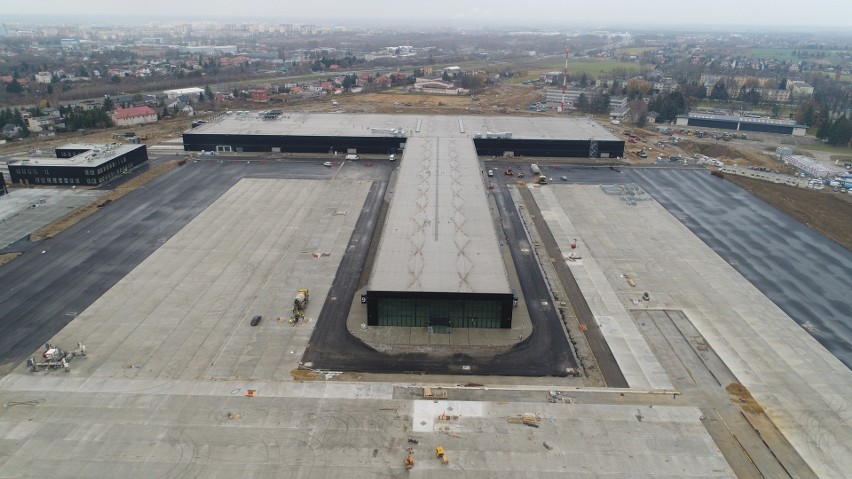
x,y
327,163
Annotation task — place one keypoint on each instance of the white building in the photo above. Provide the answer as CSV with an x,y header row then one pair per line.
x,y
43,77
193,92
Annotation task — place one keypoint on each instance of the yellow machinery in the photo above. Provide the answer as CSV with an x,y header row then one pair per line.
x,y
300,303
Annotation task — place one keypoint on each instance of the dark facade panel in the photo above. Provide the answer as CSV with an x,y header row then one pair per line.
x,y
767,128
708,123
294,144
65,152
560,148
33,174
385,145
2,185
431,309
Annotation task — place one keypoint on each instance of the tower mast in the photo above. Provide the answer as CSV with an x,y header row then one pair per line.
x,y
564,80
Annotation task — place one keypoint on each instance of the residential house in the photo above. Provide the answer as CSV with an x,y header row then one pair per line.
x,y
43,77
40,123
134,116
10,131
259,95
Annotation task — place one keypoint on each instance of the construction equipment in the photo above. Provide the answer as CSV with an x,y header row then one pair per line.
x,y
437,393
408,462
300,303
528,419
439,453
55,357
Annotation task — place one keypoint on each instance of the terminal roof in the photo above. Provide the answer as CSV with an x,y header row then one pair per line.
x,y
439,235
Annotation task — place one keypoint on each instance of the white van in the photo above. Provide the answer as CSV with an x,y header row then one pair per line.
x,y
490,172
353,157
392,158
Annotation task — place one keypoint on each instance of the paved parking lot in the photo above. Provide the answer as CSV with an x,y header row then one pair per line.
x,y
25,210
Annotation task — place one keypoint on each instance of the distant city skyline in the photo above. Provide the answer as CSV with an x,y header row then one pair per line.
x,y
827,14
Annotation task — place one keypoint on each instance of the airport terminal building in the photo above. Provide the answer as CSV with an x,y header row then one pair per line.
x,y
438,264
280,132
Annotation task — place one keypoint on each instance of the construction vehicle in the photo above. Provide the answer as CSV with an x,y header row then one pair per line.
x,y
439,453
509,172
436,393
408,462
542,180
300,303
55,357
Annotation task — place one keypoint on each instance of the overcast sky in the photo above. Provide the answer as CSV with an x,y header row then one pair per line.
x,y
629,14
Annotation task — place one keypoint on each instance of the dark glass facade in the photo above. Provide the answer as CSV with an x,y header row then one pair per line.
x,y
385,145
84,175
439,311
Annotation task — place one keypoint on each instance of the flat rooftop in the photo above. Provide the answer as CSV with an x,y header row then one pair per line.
x,y
743,119
378,125
439,234
96,156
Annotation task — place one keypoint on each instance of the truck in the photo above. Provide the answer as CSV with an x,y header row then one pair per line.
x,y
535,169
300,303
542,180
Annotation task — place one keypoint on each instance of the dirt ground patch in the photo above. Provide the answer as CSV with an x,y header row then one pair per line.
x,y
504,99
743,398
823,210
6,257
80,213
304,374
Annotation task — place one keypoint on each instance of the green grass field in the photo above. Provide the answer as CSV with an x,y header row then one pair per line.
x,y
787,54
828,149
536,66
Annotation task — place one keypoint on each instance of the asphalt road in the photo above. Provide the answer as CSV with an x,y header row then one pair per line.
x,y
545,352
42,290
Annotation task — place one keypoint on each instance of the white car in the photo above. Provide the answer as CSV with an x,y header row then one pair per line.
x,y
327,163
353,157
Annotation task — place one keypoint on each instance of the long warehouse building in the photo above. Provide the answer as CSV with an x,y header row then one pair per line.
x,y
438,263
279,132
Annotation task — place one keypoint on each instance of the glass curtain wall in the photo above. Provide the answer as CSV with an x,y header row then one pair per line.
x,y
431,312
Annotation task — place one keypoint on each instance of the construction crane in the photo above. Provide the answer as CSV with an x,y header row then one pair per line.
x,y
564,80
300,303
